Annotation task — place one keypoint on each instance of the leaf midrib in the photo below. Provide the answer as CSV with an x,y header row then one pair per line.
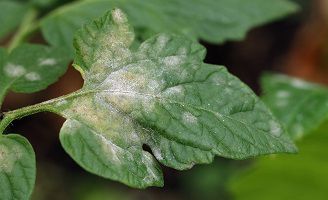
x,y
218,115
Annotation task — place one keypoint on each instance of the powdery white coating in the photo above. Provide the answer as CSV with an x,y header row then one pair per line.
x,y
126,89
124,81
47,62
85,109
32,76
189,118
112,151
299,84
176,90
275,129
157,153
162,41
283,94
61,103
148,162
173,61
183,51
8,158
119,16
154,86
14,71
72,125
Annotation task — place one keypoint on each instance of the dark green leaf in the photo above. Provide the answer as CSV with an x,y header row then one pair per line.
x,y
17,168
302,177
301,106
30,68
10,15
211,20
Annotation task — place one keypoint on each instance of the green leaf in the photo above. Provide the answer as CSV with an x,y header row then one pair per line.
x,y
301,106
211,20
30,68
302,177
17,167
161,95
10,16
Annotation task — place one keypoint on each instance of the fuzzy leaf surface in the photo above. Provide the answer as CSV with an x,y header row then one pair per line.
x,y
17,168
161,95
301,106
211,20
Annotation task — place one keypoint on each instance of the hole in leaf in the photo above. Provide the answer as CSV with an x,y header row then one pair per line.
x,y
145,147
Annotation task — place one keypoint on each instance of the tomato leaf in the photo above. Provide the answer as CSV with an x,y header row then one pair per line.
x,y
303,176
31,68
11,15
300,106
161,95
17,167
211,20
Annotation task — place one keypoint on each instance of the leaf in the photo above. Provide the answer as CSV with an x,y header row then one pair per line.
x,y
31,68
161,95
211,20
301,106
303,176
10,16
17,167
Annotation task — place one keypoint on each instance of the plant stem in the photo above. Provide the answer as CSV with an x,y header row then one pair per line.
x,y
46,106
23,112
3,92
27,26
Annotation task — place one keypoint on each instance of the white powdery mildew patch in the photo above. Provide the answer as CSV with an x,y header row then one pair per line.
x,y
283,94
126,89
173,61
148,162
275,129
300,84
47,61
183,51
72,125
32,76
8,158
118,16
61,103
124,81
14,71
112,151
148,105
157,153
162,41
189,118
176,90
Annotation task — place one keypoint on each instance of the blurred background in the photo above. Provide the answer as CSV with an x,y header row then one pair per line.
x,y
296,45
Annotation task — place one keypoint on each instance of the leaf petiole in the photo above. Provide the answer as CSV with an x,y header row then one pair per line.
x,y
46,106
28,26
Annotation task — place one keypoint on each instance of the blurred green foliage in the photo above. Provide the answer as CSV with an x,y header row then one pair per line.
x,y
302,177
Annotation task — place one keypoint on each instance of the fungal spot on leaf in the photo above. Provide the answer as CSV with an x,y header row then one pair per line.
x,y
32,76
158,95
8,158
189,118
283,94
14,71
47,62
118,16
